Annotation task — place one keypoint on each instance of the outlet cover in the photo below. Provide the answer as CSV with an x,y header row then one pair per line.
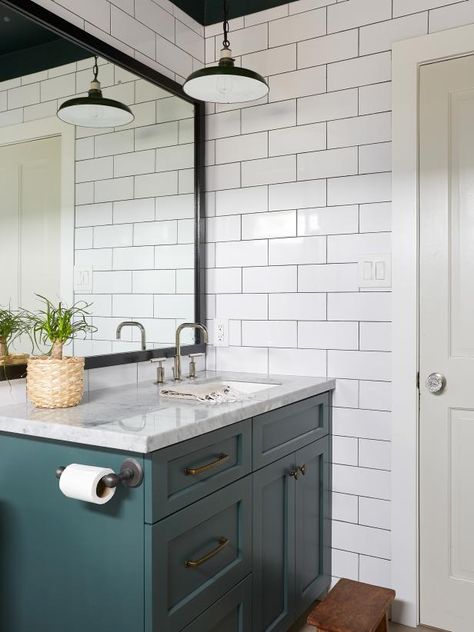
x,y
375,271
221,333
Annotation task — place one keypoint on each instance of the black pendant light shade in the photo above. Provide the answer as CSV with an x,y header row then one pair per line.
x,y
226,82
94,110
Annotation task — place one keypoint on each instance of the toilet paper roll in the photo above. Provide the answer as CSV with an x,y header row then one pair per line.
x,y
83,482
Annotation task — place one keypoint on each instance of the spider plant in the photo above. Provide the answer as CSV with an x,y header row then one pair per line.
x,y
57,324
13,323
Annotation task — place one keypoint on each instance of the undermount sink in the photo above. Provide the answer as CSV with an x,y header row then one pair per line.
x,y
249,387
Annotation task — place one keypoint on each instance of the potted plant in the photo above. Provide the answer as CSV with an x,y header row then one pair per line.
x,y
55,381
13,324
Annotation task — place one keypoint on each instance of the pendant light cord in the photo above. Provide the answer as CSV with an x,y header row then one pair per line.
x,y
96,68
226,43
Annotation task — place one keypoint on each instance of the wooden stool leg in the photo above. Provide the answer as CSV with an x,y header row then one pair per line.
x,y
383,625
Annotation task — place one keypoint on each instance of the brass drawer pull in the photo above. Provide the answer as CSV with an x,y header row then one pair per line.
x,y
302,469
294,474
223,542
194,471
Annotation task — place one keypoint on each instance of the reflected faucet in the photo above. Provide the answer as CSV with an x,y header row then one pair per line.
x,y
177,358
132,323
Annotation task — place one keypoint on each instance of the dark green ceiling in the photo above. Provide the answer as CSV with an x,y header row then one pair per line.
x,y
211,11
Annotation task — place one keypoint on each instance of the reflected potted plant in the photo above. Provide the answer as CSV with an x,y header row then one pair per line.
x,y
13,324
53,380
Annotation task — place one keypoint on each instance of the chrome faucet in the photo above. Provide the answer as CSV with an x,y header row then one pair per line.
x,y
132,323
177,358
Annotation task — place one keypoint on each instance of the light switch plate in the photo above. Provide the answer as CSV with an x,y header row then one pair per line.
x,y
83,279
375,271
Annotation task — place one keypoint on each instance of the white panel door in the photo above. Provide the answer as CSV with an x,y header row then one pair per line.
x,y
30,220
447,344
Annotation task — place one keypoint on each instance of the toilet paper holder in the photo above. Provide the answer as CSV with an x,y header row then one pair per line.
x,y
130,475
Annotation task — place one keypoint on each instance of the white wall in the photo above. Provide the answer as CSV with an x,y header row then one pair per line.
x,y
321,142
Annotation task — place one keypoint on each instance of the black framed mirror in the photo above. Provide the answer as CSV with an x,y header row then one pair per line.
x,y
112,216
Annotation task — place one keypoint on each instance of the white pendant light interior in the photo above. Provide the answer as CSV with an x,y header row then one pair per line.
x,y
95,110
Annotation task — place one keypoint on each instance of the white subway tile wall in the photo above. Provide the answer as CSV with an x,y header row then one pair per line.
x,y
328,63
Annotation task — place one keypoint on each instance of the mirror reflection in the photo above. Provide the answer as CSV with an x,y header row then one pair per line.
x,y
103,214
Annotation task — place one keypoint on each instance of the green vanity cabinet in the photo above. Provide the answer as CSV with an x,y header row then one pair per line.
x,y
229,531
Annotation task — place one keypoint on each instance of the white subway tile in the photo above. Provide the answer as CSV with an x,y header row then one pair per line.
x,y
175,207
297,250
344,564
84,148
347,15
360,365
177,256
112,283
158,19
376,395
173,108
269,116
242,359
293,140
180,306
375,217
327,107
360,189
185,281
128,30
99,259
266,15
297,195
367,424
186,181
297,362
224,280
360,539
135,163
58,87
345,450
85,193
298,83
155,184
270,279
107,377
345,507
154,282
374,454
361,481
129,211
272,61
269,225
154,233
327,164
381,36
94,214
223,177
328,278
133,258
244,147
360,71
297,27
113,236
324,50
375,98
307,5
188,40
132,305
178,157
247,40
374,513
23,96
269,170
328,221
346,394
297,306
403,7
375,158
114,143
114,189
268,333
375,571
153,136
451,16
83,238
327,335
360,130
250,253
350,248
94,169
223,124
243,200
242,306
375,336
225,228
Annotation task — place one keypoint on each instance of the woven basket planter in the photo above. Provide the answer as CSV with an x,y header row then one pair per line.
x,y
14,358
53,383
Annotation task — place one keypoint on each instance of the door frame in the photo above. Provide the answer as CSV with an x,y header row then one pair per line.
x,y
48,128
408,57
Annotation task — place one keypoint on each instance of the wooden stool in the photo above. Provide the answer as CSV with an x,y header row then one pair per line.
x,y
353,607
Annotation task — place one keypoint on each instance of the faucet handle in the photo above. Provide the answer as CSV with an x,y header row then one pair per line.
x,y
160,370
192,364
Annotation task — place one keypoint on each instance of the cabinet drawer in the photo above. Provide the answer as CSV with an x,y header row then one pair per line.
x,y
282,431
188,471
197,555
232,613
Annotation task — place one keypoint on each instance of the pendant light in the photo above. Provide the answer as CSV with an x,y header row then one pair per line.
x,y
226,83
94,110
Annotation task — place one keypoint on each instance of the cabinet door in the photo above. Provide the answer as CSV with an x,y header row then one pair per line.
x,y
66,564
274,546
313,528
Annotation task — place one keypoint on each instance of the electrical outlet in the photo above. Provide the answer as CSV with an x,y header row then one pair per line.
x,y
221,328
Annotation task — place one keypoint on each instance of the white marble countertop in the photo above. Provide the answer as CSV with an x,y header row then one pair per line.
x,y
136,419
